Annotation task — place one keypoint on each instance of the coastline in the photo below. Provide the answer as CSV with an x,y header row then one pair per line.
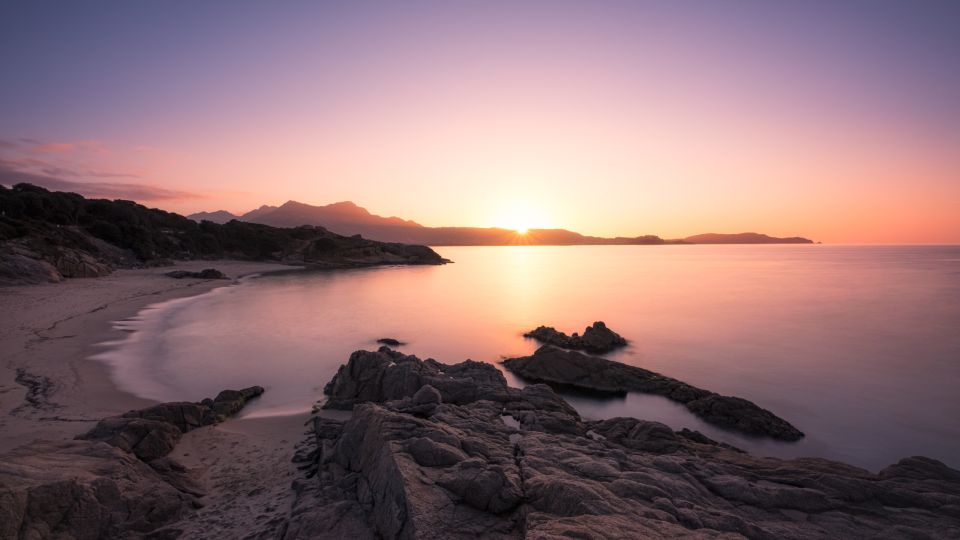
x,y
49,386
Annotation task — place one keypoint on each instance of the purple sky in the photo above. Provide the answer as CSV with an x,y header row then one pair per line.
x,y
836,120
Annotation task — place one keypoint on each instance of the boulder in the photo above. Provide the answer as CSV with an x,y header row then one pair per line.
x,y
387,375
17,269
207,273
596,338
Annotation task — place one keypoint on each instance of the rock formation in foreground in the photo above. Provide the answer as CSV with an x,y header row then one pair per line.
x,y
114,481
450,451
48,236
596,338
590,373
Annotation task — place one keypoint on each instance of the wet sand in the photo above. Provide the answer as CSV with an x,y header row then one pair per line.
x,y
51,389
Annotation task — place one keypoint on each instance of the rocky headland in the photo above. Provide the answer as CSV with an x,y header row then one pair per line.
x,y
437,450
596,338
556,366
47,236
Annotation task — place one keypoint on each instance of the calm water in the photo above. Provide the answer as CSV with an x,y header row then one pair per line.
x,y
857,346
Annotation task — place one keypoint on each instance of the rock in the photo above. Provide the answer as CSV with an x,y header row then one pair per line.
x,y
114,481
430,453
73,263
153,432
17,269
643,435
229,402
83,490
459,472
427,394
387,375
147,439
596,338
590,373
390,341
207,273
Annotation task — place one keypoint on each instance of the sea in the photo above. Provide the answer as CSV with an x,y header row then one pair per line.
x,y
857,346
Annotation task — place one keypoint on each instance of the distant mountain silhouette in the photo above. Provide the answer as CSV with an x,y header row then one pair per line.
x,y
347,218
743,238
219,216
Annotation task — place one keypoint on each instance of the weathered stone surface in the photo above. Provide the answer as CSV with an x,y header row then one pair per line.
x,y
459,472
113,481
147,439
19,269
83,490
596,338
387,375
557,366
153,432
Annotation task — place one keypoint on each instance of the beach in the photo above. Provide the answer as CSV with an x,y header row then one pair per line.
x,y
49,387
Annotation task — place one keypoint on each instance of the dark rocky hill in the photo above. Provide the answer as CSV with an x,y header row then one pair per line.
x,y
47,236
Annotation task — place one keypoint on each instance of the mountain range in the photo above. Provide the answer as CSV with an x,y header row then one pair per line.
x,y
347,218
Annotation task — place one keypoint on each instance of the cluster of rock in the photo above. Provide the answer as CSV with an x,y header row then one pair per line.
x,y
450,451
115,481
596,338
206,273
552,365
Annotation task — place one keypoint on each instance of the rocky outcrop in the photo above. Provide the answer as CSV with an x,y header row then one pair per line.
x,y
459,471
206,273
154,432
19,269
390,342
114,481
590,373
387,375
596,338
83,490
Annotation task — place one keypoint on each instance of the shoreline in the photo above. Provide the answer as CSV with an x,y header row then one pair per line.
x,y
50,387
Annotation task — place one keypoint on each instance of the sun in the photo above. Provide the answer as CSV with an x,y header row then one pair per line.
x,y
519,216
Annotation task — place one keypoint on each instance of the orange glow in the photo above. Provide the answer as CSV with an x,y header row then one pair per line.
x,y
667,121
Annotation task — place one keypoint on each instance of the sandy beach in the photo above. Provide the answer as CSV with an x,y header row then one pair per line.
x,y
49,386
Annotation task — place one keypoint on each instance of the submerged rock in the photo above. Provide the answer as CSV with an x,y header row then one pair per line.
x,y
596,338
556,366
459,472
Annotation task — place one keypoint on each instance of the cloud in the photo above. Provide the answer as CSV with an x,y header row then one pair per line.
x,y
69,147
11,173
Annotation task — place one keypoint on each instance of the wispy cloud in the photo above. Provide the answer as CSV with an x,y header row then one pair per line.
x,y
11,172
69,147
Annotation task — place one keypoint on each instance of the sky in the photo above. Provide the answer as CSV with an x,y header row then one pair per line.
x,y
834,120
